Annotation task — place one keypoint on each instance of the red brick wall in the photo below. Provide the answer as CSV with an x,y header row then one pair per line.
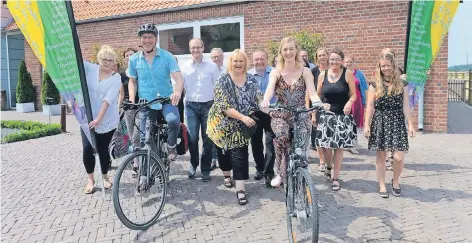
x,y
362,29
35,69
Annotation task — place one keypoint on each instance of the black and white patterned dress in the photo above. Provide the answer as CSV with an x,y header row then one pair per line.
x,y
337,130
388,129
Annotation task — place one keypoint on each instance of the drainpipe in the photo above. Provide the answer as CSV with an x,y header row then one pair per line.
x,y
8,71
420,109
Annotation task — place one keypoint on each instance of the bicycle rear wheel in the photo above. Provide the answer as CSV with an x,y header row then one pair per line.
x,y
302,210
138,205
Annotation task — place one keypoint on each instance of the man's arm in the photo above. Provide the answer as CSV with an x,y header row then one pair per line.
x,y
132,83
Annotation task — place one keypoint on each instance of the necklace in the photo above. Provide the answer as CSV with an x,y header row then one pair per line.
x,y
333,77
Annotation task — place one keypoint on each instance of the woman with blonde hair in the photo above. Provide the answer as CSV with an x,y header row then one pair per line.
x,y
103,86
230,122
386,129
290,80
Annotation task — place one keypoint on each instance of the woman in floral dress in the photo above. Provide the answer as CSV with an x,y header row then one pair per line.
x,y
237,96
290,81
386,129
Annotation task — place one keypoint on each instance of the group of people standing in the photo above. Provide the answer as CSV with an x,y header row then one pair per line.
x,y
227,108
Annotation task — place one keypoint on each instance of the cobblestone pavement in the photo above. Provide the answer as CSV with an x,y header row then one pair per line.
x,y
42,200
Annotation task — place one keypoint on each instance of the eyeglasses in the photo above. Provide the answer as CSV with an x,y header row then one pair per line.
x,y
216,57
335,59
108,60
196,48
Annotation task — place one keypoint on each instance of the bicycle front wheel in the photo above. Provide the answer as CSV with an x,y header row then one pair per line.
x,y
302,212
137,199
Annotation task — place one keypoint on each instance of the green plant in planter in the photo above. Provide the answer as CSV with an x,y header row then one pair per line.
x,y
49,90
24,87
305,40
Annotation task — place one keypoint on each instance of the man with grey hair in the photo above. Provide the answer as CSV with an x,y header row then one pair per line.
x,y
304,56
264,163
217,57
200,77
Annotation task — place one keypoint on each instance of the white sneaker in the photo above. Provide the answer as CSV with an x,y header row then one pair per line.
x,y
276,182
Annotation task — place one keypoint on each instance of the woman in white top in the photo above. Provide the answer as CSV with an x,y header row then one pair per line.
x,y
103,86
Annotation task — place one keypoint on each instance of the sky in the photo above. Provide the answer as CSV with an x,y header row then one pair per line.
x,y
460,35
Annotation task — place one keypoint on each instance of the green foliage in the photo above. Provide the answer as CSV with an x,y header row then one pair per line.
x,y
305,40
49,90
29,130
460,68
24,88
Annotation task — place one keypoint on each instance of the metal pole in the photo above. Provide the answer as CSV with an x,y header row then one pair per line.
x,y
63,117
407,41
88,109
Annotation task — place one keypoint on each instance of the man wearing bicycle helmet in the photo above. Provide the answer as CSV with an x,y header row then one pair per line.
x,y
151,70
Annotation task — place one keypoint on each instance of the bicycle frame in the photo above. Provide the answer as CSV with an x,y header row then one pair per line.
x,y
153,137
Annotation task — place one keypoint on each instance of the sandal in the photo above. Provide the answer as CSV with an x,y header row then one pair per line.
x,y
241,200
106,182
228,182
335,187
89,188
172,153
327,174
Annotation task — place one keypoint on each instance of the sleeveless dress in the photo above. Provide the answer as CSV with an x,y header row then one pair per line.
x,y
336,130
388,129
282,121
357,107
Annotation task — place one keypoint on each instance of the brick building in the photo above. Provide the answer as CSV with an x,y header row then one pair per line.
x,y
360,28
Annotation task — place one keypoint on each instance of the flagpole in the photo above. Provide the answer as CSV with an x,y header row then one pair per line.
x,y
407,41
83,82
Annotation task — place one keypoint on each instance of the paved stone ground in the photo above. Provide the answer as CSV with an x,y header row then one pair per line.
x,y
42,199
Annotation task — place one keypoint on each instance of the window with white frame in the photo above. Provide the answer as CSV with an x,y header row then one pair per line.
x,y
225,33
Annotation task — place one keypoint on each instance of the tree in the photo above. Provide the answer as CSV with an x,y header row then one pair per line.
x,y
305,40
49,90
24,88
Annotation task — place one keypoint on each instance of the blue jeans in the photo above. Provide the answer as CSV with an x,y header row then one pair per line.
x,y
197,115
172,117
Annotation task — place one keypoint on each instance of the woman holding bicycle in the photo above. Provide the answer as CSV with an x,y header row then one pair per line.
x,y
229,125
289,81
336,131
386,130
103,87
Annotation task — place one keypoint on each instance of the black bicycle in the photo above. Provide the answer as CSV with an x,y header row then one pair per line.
x,y
135,204
301,201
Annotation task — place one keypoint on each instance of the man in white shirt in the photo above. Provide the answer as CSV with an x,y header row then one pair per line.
x,y
217,57
199,76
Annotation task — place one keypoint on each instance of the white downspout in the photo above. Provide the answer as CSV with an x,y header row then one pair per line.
x,y
420,109
8,70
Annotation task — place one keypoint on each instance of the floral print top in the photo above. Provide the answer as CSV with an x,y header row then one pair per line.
x,y
225,131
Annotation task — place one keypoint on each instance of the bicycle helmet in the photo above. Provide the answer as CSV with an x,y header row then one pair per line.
x,y
147,28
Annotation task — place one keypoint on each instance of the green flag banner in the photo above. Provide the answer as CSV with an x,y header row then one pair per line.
x,y
47,28
429,24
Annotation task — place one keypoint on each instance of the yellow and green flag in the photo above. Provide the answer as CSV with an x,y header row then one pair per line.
x,y
47,28
429,24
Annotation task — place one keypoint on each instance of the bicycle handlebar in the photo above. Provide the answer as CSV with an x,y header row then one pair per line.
x,y
127,105
298,110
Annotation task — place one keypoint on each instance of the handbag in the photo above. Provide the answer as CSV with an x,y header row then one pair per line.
x,y
245,130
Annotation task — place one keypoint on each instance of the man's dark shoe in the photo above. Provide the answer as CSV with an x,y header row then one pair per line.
x,y
268,179
259,175
206,176
191,172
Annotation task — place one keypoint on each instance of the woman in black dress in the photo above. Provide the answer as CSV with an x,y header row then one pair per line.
x,y
336,131
386,129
